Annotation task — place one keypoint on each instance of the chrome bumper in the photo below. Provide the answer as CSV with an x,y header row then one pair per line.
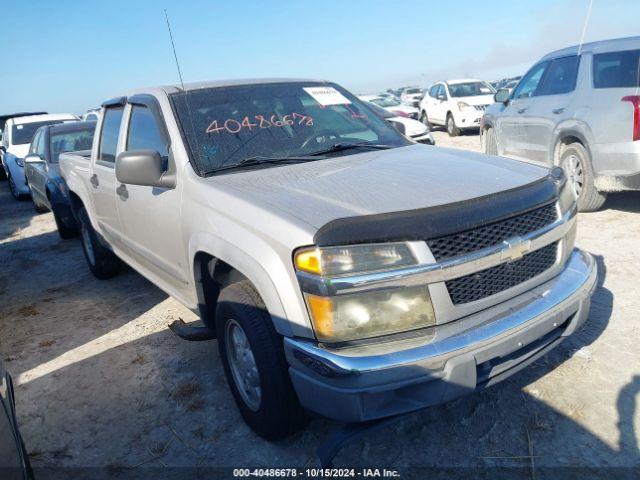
x,y
373,381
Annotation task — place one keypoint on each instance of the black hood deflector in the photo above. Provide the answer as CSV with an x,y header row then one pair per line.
x,y
432,222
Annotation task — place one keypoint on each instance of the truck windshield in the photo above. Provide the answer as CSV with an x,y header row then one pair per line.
x,y
225,125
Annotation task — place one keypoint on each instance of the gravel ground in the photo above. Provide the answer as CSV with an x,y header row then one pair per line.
x,y
102,382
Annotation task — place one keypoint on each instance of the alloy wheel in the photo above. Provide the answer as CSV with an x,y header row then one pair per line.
x,y
242,364
573,168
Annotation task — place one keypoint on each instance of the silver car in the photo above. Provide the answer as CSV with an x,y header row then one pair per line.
x,y
577,108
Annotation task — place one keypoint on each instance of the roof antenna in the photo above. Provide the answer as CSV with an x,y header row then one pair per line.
x,y
186,94
584,28
173,46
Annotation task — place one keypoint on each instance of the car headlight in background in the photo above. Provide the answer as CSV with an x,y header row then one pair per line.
x,y
332,261
462,105
369,313
20,161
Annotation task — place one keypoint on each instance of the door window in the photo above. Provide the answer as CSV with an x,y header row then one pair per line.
x,y
617,69
109,135
529,84
144,132
433,91
561,76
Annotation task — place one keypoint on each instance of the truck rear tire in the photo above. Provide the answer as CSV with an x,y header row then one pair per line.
x,y
254,363
64,231
575,161
102,262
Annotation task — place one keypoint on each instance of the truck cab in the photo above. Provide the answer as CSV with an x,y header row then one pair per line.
x,y
344,269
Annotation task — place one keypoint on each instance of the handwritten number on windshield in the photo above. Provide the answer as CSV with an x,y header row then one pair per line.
x,y
232,125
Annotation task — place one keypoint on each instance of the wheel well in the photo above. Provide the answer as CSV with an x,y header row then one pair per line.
x,y
211,276
76,203
563,142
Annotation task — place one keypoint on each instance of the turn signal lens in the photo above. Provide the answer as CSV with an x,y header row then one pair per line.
x,y
332,261
309,261
321,309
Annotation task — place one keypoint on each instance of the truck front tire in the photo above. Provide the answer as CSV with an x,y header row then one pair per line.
x,y
102,262
254,363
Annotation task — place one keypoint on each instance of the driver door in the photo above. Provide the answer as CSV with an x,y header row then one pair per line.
x,y
150,216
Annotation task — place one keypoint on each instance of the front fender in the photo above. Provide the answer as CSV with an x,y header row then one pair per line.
x,y
258,261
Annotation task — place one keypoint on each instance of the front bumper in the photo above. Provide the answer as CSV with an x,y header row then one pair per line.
x,y
468,118
368,382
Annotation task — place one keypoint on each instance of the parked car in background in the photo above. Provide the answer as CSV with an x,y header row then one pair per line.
x,y
3,121
578,108
456,104
410,128
91,115
411,96
393,105
343,269
17,137
14,460
510,85
48,188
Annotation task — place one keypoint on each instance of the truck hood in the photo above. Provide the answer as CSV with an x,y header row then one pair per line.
x,y
381,181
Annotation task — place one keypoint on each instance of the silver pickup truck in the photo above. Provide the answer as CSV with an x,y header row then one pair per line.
x,y
344,269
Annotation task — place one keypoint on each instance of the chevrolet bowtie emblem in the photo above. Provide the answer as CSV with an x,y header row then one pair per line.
x,y
515,248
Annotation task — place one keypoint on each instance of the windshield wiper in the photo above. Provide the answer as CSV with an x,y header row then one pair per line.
x,y
262,160
338,147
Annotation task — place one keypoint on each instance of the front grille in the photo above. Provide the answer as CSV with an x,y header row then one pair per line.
x,y
491,234
485,283
482,108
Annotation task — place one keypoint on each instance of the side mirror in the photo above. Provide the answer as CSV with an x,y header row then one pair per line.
x,y
33,159
502,96
441,97
143,167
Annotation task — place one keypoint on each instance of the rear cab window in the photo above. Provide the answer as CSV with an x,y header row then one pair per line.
x,y
72,141
617,69
109,135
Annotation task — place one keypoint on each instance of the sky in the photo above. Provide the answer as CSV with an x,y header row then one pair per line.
x,y
70,55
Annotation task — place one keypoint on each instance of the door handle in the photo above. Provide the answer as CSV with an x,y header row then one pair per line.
x,y
558,111
122,191
94,180
522,110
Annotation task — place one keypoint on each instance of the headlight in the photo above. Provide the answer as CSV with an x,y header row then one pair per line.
x,y
331,261
364,314
20,161
462,105
370,314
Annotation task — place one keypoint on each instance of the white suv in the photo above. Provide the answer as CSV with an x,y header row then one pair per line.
x,y
456,104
